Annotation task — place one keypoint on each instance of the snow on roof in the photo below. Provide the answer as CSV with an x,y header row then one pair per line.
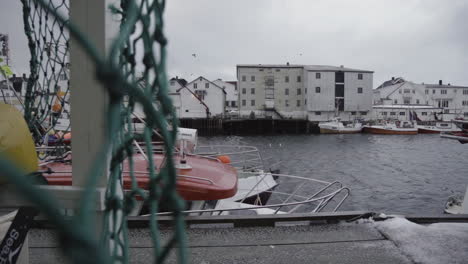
x,y
322,68
270,66
435,243
445,86
333,68
397,106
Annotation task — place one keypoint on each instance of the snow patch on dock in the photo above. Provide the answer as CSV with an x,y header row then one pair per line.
x,y
435,243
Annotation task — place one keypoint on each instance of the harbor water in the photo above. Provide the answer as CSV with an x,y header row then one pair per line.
x,y
392,174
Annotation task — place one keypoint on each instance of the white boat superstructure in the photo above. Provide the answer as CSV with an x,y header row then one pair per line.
x,y
437,127
336,126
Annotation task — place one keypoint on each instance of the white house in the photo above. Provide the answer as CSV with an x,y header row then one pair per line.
x,y
200,98
232,95
445,100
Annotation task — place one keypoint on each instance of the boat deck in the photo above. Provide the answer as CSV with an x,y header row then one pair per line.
x,y
317,238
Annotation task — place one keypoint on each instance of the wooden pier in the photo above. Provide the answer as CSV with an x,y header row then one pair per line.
x,y
218,126
295,238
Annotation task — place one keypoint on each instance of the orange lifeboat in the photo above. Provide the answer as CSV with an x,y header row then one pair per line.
x,y
206,179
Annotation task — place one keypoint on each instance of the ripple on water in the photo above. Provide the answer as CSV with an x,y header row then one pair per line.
x,y
395,174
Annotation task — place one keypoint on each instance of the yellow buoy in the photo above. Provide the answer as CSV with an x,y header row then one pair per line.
x,y
16,143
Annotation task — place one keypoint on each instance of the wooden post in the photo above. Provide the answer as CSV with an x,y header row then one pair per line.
x,y
88,98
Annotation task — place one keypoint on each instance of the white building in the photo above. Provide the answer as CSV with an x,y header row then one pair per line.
x,y
445,100
312,92
200,98
232,95
338,91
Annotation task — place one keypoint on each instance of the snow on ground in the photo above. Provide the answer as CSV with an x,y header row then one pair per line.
x,y
435,243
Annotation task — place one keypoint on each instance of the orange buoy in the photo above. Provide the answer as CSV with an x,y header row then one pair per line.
x,y
56,107
67,136
224,159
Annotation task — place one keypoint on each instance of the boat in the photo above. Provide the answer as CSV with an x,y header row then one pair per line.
x,y
437,127
392,128
336,126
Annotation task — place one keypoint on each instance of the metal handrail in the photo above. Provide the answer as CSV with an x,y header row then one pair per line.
x,y
256,207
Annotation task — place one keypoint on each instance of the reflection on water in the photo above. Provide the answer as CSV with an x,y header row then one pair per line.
x,y
392,174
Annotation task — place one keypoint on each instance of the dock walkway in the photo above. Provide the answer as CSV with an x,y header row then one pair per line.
x,y
309,241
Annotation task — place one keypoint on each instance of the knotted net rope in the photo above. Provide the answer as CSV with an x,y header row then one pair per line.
x,y
131,81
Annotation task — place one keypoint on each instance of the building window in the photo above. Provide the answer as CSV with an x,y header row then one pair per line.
x,y
353,113
359,90
252,102
305,90
359,76
363,113
305,101
407,101
384,113
286,79
299,79
399,90
299,91
446,111
252,90
244,90
244,78
414,91
172,83
443,91
395,101
195,86
252,78
286,91
402,113
207,85
233,103
260,69
286,103
406,91
243,102
433,91
465,114
424,113
200,94
298,103
444,103
277,70
417,101
465,92
465,103
427,91
392,113
318,113
318,75
317,89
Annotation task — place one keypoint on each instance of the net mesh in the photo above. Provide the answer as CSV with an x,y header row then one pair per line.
x,y
133,73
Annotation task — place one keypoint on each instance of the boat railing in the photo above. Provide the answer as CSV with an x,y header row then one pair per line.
x,y
240,156
298,199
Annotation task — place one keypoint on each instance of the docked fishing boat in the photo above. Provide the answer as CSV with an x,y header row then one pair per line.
x,y
437,127
392,128
336,126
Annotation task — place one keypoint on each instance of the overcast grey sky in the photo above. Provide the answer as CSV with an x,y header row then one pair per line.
x,y
420,40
